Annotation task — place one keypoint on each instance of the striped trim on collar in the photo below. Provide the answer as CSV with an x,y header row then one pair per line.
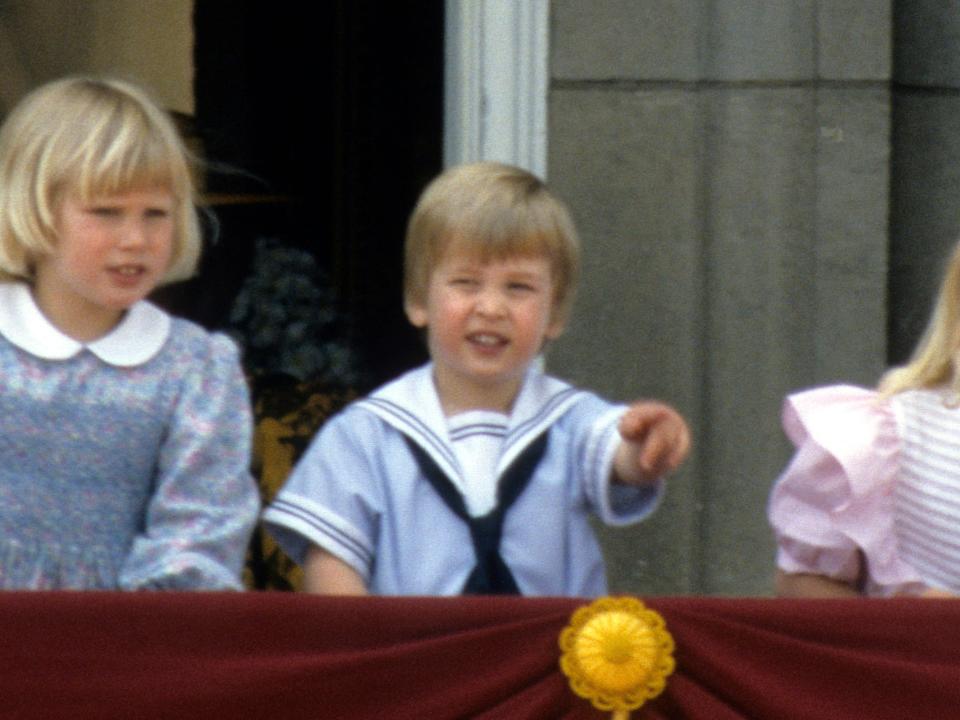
x,y
541,402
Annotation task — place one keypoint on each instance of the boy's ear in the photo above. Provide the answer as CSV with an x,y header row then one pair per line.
x,y
416,313
555,328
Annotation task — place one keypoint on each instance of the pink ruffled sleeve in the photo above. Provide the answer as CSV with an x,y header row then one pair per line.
x,y
835,499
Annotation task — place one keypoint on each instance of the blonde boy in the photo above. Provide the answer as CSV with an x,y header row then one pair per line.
x,y
476,473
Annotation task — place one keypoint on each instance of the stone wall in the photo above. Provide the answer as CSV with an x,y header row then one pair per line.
x,y
728,165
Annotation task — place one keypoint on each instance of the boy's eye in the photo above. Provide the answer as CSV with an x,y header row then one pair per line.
x,y
521,287
104,211
158,213
463,281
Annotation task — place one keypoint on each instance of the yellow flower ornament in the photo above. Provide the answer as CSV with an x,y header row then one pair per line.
x,y
617,654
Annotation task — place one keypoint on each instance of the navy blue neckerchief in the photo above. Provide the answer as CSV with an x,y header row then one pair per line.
x,y
491,576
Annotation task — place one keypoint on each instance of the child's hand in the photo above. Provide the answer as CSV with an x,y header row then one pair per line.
x,y
936,593
656,440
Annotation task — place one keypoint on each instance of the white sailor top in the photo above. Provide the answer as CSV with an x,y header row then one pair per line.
x,y
361,492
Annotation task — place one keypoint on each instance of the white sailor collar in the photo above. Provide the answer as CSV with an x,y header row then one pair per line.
x,y
542,399
137,338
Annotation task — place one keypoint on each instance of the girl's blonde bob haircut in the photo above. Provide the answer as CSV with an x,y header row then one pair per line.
x,y
88,138
934,362
494,211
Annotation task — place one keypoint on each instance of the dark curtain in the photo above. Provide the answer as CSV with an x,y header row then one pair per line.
x,y
322,122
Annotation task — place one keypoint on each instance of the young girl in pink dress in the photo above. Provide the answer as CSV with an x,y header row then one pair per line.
x,y
870,503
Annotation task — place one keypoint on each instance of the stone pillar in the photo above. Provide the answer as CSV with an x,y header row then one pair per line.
x,y
727,163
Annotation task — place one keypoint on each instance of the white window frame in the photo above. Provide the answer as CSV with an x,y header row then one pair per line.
x,y
496,81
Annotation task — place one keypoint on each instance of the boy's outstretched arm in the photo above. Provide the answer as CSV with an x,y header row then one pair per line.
x,y
656,440
326,574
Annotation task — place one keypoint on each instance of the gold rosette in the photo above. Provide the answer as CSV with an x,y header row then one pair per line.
x,y
617,654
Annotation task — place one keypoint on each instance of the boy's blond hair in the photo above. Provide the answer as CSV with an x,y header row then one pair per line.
x,y
89,138
496,211
935,360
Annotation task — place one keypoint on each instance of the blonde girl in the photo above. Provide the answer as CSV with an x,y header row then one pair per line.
x,y
870,504
124,432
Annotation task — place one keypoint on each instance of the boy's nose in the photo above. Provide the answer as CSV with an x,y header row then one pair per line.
x,y
491,303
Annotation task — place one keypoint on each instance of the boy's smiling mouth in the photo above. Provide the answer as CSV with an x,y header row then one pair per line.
x,y
129,270
487,339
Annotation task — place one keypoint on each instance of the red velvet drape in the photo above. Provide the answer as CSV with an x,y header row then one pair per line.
x,y
272,655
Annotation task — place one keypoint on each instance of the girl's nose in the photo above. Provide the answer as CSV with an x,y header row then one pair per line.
x,y
133,234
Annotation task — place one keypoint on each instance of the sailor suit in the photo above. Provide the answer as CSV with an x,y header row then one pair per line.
x,y
363,492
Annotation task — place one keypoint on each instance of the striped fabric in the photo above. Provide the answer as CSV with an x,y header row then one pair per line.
x,y
927,496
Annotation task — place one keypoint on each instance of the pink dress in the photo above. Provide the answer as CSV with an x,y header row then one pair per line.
x,y
873,478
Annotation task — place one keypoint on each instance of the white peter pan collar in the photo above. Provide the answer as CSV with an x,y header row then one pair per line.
x,y
139,336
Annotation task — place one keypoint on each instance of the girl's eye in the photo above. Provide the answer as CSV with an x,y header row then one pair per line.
x,y
158,213
463,282
521,287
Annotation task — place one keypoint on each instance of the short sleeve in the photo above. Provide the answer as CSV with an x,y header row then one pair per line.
x,y
330,499
205,502
834,502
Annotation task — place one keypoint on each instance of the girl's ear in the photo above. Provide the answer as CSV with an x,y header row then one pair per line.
x,y
416,313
